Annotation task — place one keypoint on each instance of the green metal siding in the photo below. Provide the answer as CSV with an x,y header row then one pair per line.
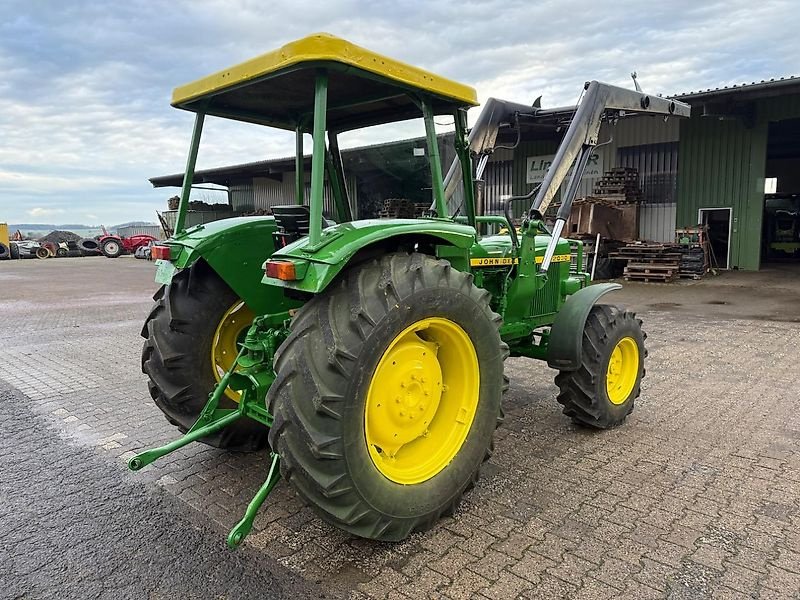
x,y
722,164
718,166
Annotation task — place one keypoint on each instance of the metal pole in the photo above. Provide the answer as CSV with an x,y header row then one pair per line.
x,y
336,175
188,175
318,158
299,175
436,163
566,204
596,254
462,149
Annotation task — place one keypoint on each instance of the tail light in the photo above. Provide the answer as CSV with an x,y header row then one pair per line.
x,y
160,252
281,269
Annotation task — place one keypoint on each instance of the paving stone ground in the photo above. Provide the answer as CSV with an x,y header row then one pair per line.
x,y
696,496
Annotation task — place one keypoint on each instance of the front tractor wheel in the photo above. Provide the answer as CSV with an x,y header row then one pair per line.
x,y
602,391
387,395
192,338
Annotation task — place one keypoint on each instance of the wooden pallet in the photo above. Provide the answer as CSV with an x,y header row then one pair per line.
x,y
619,185
645,257
671,267
650,278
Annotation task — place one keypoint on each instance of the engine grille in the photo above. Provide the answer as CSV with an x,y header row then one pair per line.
x,y
546,301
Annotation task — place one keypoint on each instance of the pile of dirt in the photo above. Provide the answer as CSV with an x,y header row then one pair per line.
x,y
57,236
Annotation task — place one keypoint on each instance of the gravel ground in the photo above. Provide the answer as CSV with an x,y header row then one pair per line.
x,y
696,496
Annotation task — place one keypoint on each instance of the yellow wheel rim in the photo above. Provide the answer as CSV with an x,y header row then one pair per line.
x,y
422,400
623,369
225,344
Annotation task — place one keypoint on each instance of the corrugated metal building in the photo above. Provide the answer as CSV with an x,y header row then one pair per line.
x,y
649,144
736,138
710,168
129,230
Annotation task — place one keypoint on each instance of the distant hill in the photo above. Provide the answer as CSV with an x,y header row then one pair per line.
x,y
48,226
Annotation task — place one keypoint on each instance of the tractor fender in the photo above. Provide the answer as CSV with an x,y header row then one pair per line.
x,y
566,333
340,244
235,249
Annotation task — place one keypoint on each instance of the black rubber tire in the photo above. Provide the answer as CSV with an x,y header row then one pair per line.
x,y
13,250
323,372
604,269
583,392
89,246
112,248
5,252
62,252
176,354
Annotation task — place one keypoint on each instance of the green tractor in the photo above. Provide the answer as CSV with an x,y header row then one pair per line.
x,y
368,354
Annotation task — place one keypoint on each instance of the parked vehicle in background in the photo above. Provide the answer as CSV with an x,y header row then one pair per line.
x,y
144,252
113,246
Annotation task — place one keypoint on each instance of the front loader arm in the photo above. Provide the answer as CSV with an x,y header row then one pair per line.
x,y
600,101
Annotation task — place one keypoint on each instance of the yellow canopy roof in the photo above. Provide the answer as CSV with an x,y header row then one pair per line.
x,y
277,88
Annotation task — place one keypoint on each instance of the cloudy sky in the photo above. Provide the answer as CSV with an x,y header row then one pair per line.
x,y
85,85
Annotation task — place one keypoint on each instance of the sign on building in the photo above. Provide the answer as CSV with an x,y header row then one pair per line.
x,y
537,167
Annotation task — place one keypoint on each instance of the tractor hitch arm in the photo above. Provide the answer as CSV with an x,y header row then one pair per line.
x,y
247,375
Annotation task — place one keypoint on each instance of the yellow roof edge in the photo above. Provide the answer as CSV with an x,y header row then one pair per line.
x,y
325,47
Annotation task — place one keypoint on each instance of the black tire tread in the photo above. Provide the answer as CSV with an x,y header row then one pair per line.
x,y
306,399
170,333
576,388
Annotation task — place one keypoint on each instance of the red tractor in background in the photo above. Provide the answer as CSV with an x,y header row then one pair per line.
x,y
113,246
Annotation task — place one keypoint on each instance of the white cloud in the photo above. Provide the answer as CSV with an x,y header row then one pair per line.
x,y
84,98
45,212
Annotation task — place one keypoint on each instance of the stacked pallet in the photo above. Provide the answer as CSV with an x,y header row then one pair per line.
x,y
693,262
649,262
694,251
402,208
619,186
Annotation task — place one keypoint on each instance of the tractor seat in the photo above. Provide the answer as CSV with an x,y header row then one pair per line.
x,y
292,219
293,223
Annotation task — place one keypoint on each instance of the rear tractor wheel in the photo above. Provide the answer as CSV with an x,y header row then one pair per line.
x,y
387,395
112,248
192,338
602,391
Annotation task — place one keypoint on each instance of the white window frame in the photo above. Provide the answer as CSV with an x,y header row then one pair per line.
x,y
730,227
